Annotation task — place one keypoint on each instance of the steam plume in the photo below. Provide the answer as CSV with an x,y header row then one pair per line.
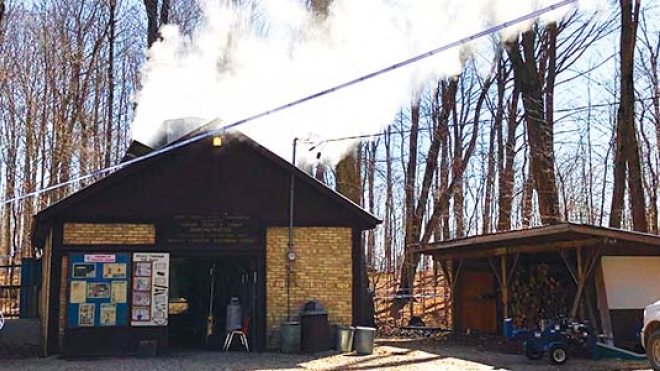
x,y
231,69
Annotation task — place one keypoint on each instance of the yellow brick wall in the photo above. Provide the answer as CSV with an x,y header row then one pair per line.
x,y
109,234
322,271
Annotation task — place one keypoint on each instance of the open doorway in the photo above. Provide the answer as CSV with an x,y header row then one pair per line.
x,y
200,289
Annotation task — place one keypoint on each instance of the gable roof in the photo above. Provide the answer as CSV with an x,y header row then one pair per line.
x,y
538,239
44,217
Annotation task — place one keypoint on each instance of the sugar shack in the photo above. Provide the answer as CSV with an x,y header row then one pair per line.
x,y
153,255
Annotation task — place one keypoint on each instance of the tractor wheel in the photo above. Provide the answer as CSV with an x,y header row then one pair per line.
x,y
532,353
653,350
558,354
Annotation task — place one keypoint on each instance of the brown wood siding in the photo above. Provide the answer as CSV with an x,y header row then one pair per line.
x,y
205,180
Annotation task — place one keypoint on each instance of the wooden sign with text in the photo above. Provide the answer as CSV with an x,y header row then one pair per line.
x,y
208,230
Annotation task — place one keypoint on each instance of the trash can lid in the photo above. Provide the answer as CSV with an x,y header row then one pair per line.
x,y
311,308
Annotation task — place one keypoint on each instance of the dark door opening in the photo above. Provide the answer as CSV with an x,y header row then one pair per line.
x,y
194,301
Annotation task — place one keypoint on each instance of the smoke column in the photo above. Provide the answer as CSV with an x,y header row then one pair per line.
x,y
233,67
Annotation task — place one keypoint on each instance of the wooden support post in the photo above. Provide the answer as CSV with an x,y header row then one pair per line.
x,y
569,266
580,274
451,275
504,277
516,258
505,289
578,257
456,266
457,273
583,274
603,307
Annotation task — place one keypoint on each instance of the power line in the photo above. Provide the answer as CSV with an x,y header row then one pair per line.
x,y
214,132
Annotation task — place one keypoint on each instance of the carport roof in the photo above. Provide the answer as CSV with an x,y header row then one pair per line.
x,y
539,239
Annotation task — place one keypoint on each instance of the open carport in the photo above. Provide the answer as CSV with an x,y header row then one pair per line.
x,y
603,275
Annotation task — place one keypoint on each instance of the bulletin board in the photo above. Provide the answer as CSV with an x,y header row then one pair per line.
x,y
150,290
98,290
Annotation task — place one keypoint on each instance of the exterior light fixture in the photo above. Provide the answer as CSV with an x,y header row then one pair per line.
x,y
217,141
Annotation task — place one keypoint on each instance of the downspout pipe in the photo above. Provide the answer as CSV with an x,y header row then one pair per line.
x,y
290,256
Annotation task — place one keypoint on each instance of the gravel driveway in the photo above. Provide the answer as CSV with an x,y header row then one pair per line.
x,y
389,355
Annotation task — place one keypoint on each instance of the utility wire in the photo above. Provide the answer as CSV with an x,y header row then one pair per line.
x,y
214,132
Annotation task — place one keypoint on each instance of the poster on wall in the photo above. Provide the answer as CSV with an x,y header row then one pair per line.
x,y
118,294
98,290
114,270
84,270
150,292
108,314
98,286
86,315
78,292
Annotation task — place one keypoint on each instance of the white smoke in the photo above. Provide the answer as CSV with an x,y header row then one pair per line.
x,y
232,68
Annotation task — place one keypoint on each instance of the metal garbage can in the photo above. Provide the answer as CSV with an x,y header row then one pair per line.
x,y
290,337
364,340
314,328
344,341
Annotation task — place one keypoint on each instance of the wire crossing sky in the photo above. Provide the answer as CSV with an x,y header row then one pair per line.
x,y
308,98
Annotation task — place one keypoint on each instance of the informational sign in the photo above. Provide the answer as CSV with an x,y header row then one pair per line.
x,y
208,229
100,258
150,290
97,290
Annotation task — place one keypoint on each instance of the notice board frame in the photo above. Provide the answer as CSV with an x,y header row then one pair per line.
x,y
98,305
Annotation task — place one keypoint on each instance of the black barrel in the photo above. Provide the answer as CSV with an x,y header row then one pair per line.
x,y
315,329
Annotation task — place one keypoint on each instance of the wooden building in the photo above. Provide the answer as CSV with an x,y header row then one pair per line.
x,y
143,256
603,275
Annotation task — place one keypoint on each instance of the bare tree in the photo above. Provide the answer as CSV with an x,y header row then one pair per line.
x,y
529,80
626,158
2,10
649,63
156,18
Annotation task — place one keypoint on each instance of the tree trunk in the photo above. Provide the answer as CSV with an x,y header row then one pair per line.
x,y
506,179
540,134
387,230
411,237
151,6
320,7
2,10
109,127
626,147
458,195
370,157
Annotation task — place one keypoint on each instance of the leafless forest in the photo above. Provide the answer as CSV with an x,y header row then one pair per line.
x,y
563,124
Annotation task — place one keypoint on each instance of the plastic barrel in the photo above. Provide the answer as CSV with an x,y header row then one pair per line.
x,y
290,337
508,328
344,338
364,340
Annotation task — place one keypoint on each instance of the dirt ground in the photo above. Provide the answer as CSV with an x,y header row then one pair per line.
x,y
390,354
